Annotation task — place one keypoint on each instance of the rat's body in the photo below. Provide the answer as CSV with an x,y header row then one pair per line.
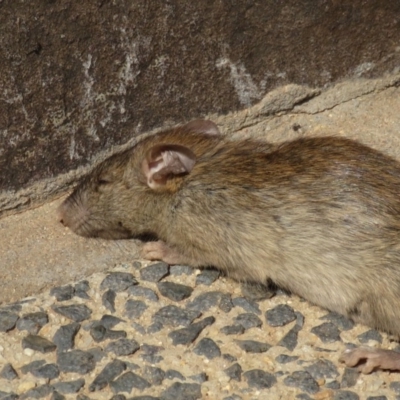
x,y
319,217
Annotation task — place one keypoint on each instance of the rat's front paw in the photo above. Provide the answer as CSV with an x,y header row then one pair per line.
x,y
367,359
161,251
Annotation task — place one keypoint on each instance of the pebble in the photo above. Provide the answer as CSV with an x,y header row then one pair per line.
x,y
204,301
108,300
232,329
257,291
371,334
207,277
247,305
8,372
174,291
284,358
82,286
182,391
323,369
32,366
76,312
32,322
109,373
118,281
65,336
172,315
349,378
259,379
302,380
173,374
37,393
395,386
252,346
141,291
150,353
233,397
280,315
128,381
63,293
109,321
190,334
177,270
339,320
123,347
69,387
328,332
234,372
154,272
200,378
38,343
345,395
154,375
78,361
8,319
289,341
135,308
207,348
248,320
47,371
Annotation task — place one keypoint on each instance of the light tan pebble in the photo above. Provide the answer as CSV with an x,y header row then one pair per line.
x,y
25,386
29,352
47,330
320,381
324,395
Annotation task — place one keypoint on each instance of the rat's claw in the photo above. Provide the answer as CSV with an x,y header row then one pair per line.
x,y
161,251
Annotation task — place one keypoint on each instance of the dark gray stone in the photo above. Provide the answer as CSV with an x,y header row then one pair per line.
x,y
108,373
259,379
141,291
248,320
339,320
174,316
129,381
199,378
109,321
97,353
57,396
118,281
284,358
247,305
234,372
232,330
154,375
174,291
182,391
8,396
328,332
108,300
289,341
395,386
123,347
38,343
345,395
233,397
32,366
139,328
155,327
76,312
47,371
180,270
225,303
8,319
207,277
252,346
207,348
302,380
150,354
119,397
114,334
173,374
229,357
8,372
65,336
376,398
365,337
257,291
204,301
32,322
333,385
280,315
154,272
82,286
135,308
37,393
323,369
63,293
98,333
69,387
189,334
77,361
349,378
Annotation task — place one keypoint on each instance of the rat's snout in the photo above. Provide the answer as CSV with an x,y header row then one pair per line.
x,y
72,215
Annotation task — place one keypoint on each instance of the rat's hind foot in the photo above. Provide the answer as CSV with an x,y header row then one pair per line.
x,y
367,359
161,251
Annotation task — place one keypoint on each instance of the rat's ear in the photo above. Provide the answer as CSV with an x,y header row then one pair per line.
x,y
203,126
165,161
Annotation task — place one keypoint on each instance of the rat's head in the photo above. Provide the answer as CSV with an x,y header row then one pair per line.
x,y
123,196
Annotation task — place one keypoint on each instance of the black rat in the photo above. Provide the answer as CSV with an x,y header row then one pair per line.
x,y
320,217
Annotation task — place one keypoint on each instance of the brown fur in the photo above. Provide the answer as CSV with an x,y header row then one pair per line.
x,y
318,216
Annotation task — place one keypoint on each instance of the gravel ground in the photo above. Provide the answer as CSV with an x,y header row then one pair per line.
x,y
150,331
